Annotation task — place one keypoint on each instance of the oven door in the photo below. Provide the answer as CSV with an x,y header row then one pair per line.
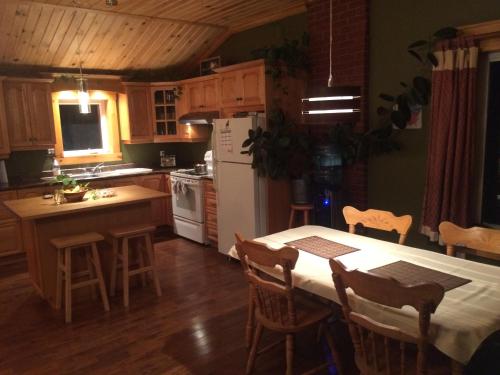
x,y
188,205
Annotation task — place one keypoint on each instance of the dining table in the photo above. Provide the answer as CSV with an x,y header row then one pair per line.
x,y
466,316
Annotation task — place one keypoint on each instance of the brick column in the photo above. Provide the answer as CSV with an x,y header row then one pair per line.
x,y
350,68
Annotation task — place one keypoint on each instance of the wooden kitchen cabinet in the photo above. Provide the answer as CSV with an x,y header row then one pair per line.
x,y
29,116
35,192
169,213
242,85
136,123
164,111
10,227
155,182
4,135
200,95
210,211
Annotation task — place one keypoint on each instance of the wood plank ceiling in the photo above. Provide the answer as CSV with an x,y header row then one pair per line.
x,y
134,35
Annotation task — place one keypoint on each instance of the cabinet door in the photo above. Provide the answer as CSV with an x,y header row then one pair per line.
x,y
210,98
17,115
155,182
252,86
10,237
229,92
126,181
5,213
4,135
35,192
169,214
195,97
139,108
41,117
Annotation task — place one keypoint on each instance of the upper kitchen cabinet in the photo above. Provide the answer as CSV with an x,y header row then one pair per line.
x,y
242,85
136,122
164,99
29,116
199,95
4,136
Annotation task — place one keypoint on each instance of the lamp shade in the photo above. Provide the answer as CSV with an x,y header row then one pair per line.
x,y
328,105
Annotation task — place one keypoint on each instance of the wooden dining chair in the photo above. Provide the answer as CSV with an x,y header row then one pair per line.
x,y
249,329
378,219
384,349
481,241
277,307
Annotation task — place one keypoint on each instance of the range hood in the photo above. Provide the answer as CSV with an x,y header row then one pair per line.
x,y
199,118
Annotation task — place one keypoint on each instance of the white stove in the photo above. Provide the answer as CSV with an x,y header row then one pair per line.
x,y
188,204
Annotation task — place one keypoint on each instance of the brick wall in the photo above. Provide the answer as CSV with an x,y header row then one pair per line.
x,y
350,68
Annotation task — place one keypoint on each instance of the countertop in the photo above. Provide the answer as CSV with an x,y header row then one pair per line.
x,y
37,208
29,182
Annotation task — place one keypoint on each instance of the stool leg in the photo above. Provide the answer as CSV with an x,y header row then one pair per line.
x,y
59,281
306,217
140,256
90,269
149,247
125,271
98,270
67,272
114,265
292,219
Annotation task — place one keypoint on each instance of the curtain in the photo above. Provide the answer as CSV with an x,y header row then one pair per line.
x,y
449,183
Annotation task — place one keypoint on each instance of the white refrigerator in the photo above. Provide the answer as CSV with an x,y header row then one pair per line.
x,y
241,194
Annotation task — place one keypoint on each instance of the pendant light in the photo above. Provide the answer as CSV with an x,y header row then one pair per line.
x,y
83,92
339,103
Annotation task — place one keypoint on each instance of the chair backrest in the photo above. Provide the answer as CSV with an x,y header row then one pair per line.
x,y
377,345
378,219
484,240
274,300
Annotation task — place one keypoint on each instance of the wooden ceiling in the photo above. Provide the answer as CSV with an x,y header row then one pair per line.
x,y
134,35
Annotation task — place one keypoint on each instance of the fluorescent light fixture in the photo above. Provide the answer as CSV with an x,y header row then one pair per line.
x,y
327,111
329,98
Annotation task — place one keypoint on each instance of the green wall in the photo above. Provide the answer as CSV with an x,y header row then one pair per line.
x,y
239,46
396,181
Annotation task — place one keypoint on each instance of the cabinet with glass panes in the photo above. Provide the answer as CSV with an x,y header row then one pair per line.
x,y
164,112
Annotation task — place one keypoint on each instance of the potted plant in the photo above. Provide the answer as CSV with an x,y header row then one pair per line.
x,y
282,151
73,190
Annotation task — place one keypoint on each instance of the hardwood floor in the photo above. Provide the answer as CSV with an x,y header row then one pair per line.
x,y
196,327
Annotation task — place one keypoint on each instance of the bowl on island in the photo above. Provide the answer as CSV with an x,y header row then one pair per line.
x,y
75,195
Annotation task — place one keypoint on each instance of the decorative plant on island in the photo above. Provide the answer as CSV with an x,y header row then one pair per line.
x,y
73,190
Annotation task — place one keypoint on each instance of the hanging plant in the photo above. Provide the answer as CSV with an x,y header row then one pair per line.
x,y
416,94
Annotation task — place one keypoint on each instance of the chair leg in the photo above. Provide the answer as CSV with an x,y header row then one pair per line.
x,y
67,278
59,281
90,269
250,320
306,217
253,350
114,265
125,271
333,350
149,248
98,270
291,219
289,354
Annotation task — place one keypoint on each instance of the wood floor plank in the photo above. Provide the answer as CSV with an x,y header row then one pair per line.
x,y
196,327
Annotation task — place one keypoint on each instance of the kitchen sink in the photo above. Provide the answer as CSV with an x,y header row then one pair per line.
x,y
114,173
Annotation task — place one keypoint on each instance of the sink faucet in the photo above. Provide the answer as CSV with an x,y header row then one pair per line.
x,y
97,168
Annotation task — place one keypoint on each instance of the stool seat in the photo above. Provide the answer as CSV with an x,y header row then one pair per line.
x,y
131,230
76,240
302,207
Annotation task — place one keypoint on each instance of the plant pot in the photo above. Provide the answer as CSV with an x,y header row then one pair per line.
x,y
74,197
300,191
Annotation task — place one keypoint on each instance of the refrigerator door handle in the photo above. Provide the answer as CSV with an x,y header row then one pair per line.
x,y
214,156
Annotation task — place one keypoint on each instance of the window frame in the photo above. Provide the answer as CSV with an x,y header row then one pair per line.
x,y
107,102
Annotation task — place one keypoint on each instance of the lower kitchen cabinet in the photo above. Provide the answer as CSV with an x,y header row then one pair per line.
x,y
10,227
211,211
155,182
169,214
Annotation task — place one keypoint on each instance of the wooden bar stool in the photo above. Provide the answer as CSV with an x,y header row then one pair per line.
x,y
65,246
304,208
121,251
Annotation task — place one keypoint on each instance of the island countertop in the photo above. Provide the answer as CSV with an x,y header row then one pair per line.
x,y
37,208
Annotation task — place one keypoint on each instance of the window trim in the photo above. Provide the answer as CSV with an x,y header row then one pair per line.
x,y
107,101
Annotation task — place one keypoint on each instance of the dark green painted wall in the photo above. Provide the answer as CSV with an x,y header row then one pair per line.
x,y
238,47
396,181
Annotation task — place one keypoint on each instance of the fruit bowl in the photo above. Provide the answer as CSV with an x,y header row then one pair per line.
x,y
74,196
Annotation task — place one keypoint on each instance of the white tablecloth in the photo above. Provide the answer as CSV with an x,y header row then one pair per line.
x,y
465,317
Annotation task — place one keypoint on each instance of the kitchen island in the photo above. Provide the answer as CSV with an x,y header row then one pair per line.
x,y
43,220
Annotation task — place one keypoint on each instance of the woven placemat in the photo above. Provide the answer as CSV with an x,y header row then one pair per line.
x,y
408,273
321,247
